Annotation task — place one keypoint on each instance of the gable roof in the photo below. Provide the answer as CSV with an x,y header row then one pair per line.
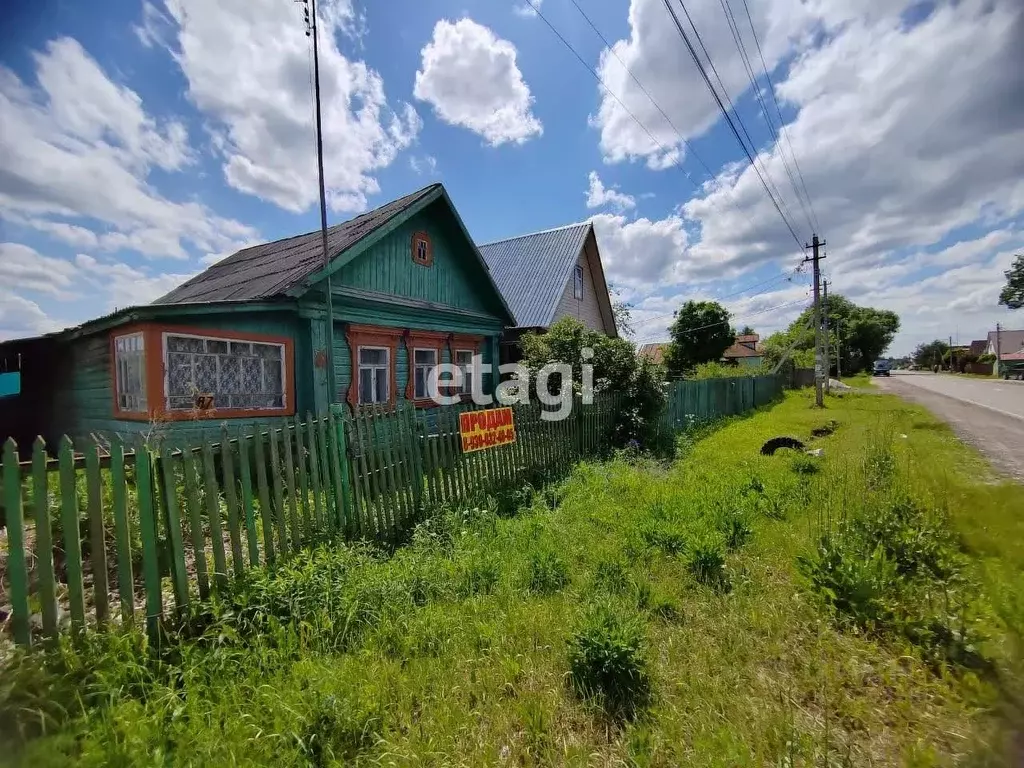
x,y
739,349
286,267
1009,341
978,346
531,271
654,352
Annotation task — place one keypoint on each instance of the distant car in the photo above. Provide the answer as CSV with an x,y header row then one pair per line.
x,y
881,368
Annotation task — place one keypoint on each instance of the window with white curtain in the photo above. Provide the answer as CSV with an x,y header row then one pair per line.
x,y
374,369
235,374
130,372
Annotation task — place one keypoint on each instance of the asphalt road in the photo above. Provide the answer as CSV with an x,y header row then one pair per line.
x,y
987,414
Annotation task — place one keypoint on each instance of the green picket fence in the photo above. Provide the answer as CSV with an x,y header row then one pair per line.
x,y
141,532
697,400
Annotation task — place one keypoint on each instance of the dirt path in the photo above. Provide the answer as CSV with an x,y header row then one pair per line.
x,y
998,434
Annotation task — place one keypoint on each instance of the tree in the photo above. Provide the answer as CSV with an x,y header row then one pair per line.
x,y
747,331
622,311
931,354
862,333
700,333
1012,295
613,361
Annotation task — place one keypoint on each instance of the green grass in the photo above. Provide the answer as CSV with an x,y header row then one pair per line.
x,y
859,381
639,613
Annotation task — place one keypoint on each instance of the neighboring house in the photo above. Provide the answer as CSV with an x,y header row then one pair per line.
x,y
745,351
1004,343
978,347
654,352
1007,342
545,276
247,338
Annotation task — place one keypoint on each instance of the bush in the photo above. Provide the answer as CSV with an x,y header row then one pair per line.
x,y
548,572
607,662
707,564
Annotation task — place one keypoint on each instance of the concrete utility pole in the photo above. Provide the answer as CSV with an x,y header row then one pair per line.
x,y
828,357
952,357
815,248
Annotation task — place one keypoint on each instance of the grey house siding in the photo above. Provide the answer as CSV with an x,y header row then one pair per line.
x,y
587,310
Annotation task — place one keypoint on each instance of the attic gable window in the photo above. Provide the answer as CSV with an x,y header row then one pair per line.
x,y
577,284
422,249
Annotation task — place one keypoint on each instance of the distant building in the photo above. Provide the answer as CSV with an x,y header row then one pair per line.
x,y
654,352
745,351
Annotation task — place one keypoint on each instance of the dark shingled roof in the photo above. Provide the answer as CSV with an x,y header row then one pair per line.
x,y
270,269
531,271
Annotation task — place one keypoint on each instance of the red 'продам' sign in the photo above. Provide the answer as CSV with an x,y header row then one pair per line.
x,y
486,429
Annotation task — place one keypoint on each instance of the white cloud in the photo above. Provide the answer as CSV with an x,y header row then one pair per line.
x,y
526,10
81,147
24,268
155,28
124,285
639,254
248,68
20,317
897,149
599,196
471,79
423,165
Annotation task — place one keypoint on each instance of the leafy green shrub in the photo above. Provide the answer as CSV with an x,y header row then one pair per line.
x,y
918,543
607,661
802,464
338,729
707,564
547,572
611,575
656,603
736,529
665,537
854,585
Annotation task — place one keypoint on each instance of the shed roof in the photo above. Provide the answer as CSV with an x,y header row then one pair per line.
x,y
531,270
268,270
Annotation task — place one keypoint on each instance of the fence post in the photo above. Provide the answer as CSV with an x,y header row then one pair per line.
x,y
16,568
145,482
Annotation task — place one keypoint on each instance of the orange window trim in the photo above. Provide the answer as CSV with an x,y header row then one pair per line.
x,y
153,345
371,336
418,237
421,340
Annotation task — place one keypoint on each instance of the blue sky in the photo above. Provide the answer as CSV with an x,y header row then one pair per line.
x,y
143,140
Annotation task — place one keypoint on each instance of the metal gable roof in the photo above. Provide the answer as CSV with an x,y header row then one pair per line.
x,y
531,270
270,269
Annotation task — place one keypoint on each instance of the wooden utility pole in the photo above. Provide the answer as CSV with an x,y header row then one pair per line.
x,y
828,357
952,357
999,346
311,31
815,248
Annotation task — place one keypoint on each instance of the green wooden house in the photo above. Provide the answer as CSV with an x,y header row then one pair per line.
x,y
248,337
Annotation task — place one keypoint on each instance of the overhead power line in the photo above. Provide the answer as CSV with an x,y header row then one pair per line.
x,y
782,123
725,112
737,37
744,317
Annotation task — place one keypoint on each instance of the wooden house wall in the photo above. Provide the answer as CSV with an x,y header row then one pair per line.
x,y
87,404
